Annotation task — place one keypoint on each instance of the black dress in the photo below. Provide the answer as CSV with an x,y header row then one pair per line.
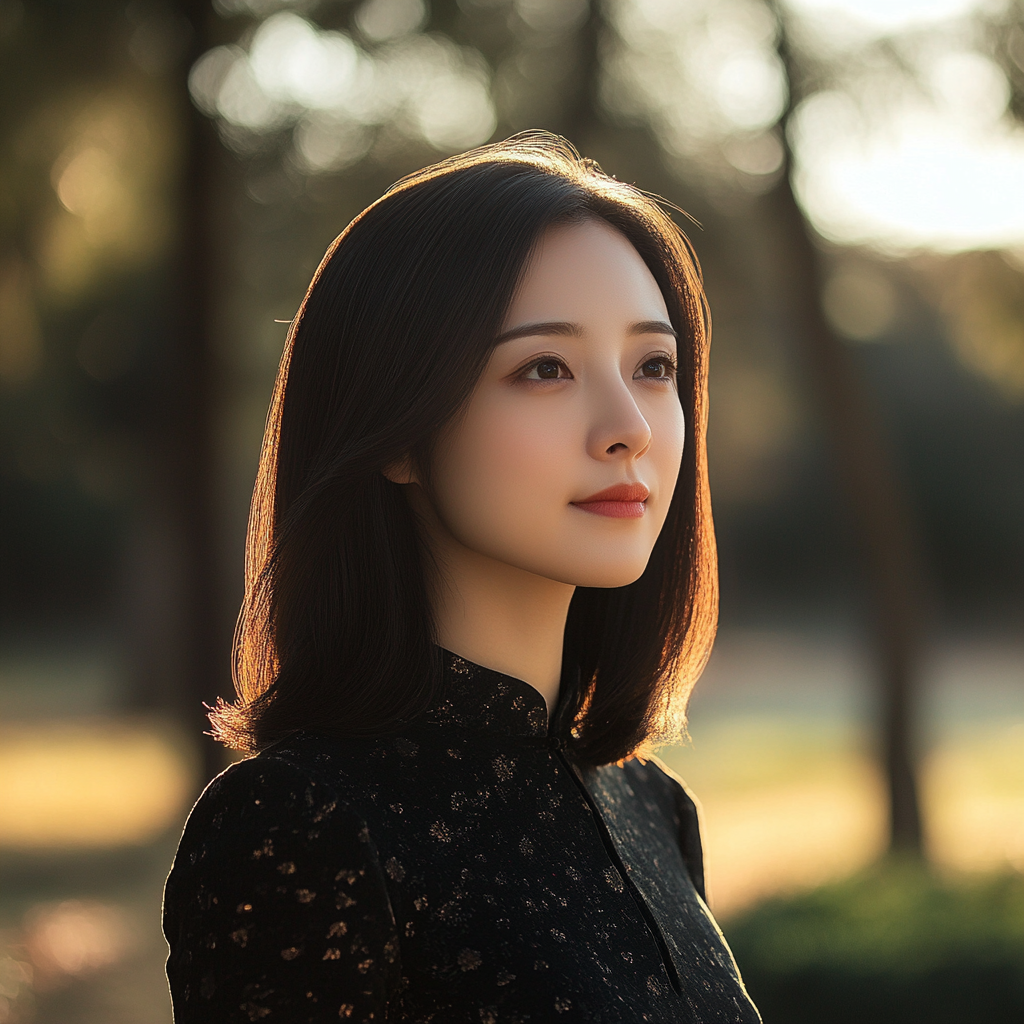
x,y
464,871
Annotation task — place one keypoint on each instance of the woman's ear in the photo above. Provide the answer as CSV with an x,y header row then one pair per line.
x,y
401,471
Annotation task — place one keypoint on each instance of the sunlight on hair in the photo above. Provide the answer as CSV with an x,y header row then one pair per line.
x,y
541,169
90,784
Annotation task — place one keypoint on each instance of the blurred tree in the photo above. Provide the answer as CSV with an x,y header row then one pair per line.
x,y
197,388
874,492
107,387
86,156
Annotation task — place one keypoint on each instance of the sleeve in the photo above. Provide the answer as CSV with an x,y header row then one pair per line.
x,y
689,838
688,812
276,907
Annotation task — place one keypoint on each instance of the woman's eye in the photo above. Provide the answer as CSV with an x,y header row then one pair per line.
x,y
547,369
657,368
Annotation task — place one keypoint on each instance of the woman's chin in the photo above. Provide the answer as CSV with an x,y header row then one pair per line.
x,y
607,581
602,576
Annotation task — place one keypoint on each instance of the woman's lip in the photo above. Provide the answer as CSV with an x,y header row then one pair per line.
x,y
613,509
623,501
620,492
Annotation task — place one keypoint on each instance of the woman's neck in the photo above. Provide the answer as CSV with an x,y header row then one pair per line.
x,y
511,622
497,615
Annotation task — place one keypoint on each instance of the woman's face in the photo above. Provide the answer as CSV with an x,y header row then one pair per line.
x,y
578,398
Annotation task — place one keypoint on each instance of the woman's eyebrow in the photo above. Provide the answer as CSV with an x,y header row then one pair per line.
x,y
565,328
557,327
653,327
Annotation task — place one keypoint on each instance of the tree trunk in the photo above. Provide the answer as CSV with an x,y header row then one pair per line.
x,y
878,510
205,660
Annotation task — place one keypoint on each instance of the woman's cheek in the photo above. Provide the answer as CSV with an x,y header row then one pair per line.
x,y
513,477
668,437
528,467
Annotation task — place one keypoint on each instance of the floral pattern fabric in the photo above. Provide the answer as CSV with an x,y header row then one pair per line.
x,y
464,871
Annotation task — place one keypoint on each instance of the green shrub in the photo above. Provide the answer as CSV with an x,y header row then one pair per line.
x,y
891,946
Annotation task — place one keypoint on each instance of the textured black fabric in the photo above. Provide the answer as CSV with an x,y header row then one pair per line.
x,y
463,871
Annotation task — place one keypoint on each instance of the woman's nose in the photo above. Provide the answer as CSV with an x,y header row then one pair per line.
x,y
619,429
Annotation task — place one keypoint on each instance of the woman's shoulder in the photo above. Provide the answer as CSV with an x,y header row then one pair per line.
x,y
283,794
273,780
271,822
302,772
651,775
658,785
274,867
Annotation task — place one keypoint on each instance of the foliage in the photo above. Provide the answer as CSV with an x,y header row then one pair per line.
x,y
893,945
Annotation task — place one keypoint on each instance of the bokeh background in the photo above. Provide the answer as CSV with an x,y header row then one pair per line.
x,y
853,177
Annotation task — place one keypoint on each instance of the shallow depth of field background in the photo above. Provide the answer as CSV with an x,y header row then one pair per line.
x,y
171,174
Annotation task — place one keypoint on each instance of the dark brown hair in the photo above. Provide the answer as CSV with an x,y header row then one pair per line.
x,y
336,632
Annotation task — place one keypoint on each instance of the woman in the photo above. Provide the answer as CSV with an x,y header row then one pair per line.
x,y
480,579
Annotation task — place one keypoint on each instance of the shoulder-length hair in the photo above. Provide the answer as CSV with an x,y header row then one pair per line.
x,y
336,632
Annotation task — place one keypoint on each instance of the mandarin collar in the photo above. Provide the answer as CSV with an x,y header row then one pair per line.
x,y
479,699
